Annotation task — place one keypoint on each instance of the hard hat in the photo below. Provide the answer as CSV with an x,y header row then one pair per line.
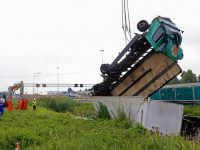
x,y
34,99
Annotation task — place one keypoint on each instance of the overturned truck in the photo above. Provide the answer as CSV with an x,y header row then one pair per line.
x,y
146,64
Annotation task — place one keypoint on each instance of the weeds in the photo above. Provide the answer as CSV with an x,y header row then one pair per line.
x,y
58,104
192,110
140,129
120,112
102,112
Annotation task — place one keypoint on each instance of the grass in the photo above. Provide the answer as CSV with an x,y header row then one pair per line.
x,y
46,129
58,104
102,111
192,110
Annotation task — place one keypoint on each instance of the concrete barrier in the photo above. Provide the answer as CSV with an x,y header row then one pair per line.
x,y
162,117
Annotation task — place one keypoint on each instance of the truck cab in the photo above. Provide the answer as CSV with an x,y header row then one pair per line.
x,y
164,36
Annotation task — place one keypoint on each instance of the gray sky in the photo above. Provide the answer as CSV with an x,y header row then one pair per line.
x,y
41,35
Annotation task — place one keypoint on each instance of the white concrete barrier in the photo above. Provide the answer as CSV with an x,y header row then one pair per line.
x,y
162,117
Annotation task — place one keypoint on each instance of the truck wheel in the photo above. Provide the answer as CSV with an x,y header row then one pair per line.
x,y
105,68
143,25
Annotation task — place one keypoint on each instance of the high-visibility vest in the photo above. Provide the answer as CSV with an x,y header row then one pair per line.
x,y
34,103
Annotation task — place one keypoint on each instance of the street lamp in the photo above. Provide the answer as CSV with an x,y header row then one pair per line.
x,y
37,83
102,55
58,79
34,81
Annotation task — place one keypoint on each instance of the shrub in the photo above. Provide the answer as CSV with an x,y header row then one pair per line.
x,y
140,129
58,104
102,112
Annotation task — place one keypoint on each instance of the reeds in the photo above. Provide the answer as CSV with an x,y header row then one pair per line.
x,y
102,112
58,104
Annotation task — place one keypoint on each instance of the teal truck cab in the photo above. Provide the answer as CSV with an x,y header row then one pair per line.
x,y
164,36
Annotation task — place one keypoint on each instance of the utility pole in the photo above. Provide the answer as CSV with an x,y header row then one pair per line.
x,y
37,83
58,79
34,81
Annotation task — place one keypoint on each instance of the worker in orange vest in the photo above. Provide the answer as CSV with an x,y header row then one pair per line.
x,y
20,104
10,105
25,104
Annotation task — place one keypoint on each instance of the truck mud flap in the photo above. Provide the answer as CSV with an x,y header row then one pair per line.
x,y
147,77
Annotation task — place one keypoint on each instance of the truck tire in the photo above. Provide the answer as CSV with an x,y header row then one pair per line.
x,y
105,68
143,25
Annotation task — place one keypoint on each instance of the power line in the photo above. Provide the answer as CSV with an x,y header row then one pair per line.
x,y
28,76
49,64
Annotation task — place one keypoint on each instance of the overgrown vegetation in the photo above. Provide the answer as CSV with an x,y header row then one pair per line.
x,y
102,111
192,110
58,104
47,129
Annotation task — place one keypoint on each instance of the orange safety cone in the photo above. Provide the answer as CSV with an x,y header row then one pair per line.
x,y
16,148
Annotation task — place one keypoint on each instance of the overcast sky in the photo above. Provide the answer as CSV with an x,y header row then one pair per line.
x,y
41,35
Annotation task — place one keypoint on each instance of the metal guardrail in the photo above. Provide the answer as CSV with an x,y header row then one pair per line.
x,y
181,85
182,101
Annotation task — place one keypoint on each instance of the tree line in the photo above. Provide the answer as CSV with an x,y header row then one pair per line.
x,y
186,77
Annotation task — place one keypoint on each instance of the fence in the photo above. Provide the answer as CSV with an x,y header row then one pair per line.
x,y
185,93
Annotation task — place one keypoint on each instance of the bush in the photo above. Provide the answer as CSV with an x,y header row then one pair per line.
x,y
140,129
58,104
102,112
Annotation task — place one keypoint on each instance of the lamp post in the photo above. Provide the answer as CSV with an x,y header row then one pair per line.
x,y
37,83
102,55
58,79
34,81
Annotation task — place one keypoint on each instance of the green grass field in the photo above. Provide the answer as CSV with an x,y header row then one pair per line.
x,y
57,124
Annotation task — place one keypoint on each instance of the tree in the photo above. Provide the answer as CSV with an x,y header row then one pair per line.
x,y
174,81
182,74
198,78
188,77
